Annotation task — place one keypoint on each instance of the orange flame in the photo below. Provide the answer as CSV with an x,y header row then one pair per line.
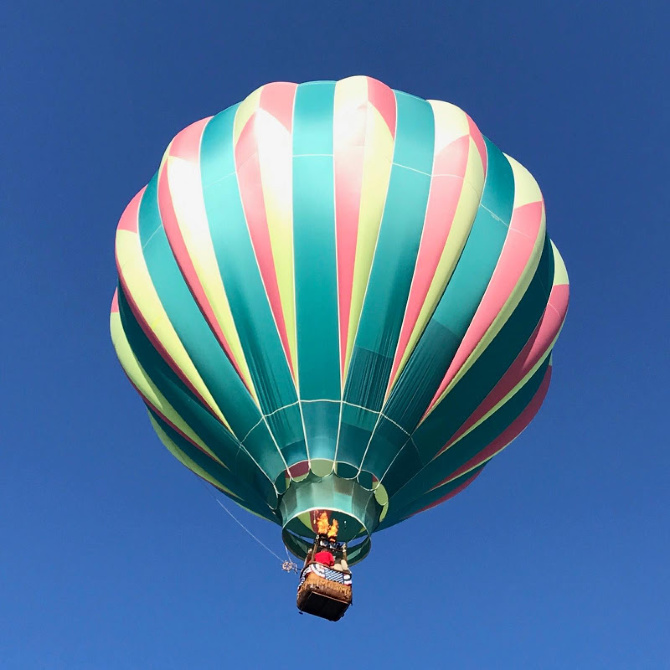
x,y
322,524
332,531
324,527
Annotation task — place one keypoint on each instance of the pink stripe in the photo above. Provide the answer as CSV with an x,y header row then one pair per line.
x,y
521,237
298,469
510,433
129,218
277,99
349,129
129,221
537,345
251,192
479,142
186,146
451,494
382,98
446,185
115,302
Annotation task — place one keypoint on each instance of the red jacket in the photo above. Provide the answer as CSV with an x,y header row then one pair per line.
x,y
325,558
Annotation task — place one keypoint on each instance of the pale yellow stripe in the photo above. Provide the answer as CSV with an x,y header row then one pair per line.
x,y
525,187
189,205
275,153
450,124
185,460
378,158
560,271
138,282
244,112
350,93
146,387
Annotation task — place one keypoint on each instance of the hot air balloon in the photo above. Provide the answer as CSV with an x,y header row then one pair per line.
x,y
337,297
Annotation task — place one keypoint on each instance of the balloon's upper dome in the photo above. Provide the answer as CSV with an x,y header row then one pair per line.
x,y
337,296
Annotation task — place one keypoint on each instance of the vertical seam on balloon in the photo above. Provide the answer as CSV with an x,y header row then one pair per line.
x,y
295,292
296,380
340,359
295,296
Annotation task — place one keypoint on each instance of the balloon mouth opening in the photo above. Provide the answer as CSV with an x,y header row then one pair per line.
x,y
356,510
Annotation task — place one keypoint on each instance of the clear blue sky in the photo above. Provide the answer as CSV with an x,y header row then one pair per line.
x,y
111,553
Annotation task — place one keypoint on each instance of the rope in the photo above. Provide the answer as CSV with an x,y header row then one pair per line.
x,y
287,565
246,530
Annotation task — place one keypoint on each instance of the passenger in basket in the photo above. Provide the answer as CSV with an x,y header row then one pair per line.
x,y
341,565
325,558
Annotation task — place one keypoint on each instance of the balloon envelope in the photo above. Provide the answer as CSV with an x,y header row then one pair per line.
x,y
337,296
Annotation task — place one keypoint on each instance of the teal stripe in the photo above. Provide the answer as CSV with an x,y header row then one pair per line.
x,y
210,360
416,493
244,287
316,265
240,480
438,344
391,274
356,426
322,420
387,441
485,373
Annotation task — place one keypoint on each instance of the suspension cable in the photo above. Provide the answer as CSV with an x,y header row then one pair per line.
x,y
287,565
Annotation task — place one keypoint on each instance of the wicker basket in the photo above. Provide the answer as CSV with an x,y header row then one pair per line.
x,y
323,597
